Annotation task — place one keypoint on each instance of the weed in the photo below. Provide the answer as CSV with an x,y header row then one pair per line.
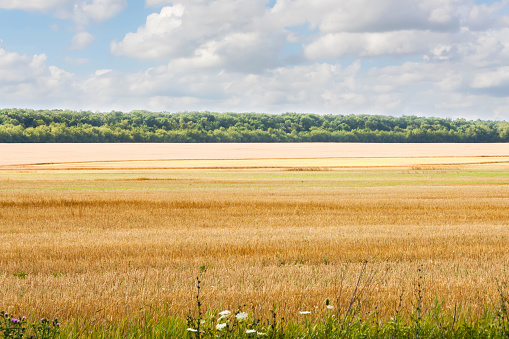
x,y
503,312
17,328
21,275
418,303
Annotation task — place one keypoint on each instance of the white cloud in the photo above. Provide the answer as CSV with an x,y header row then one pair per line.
x,y
82,12
33,5
154,40
390,15
332,16
236,37
76,61
411,88
101,72
186,33
154,3
26,80
492,79
81,40
85,12
336,45
483,17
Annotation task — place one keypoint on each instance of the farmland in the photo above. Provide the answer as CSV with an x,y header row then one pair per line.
x,y
105,241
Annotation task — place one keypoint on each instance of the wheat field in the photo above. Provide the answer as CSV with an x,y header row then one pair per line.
x,y
109,243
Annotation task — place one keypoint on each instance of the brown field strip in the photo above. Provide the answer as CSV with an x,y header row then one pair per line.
x,y
113,242
287,164
16,154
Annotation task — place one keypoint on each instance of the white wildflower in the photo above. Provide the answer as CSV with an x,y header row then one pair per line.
x,y
330,307
220,326
192,330
304,312
241,316
261,333
250,331
224,313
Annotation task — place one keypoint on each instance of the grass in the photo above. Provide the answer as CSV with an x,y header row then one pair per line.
x,y
115,253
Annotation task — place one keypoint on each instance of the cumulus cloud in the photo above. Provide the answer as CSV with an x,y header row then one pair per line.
x,y
372,44
154,40
28,79
187,35
153,3
81,40
410,88
494,82
76,61
82,12
96,10
391,15
372,16
34,5
483,17
235,37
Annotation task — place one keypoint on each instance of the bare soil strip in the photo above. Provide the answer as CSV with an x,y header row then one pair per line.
x,y
315,163
23,154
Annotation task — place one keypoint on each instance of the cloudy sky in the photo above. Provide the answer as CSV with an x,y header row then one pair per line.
x,y
447,58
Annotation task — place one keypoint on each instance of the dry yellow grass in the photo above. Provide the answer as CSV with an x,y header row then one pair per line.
x,y
125,241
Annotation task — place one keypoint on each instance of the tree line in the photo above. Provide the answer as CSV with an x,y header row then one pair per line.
x,y
26,126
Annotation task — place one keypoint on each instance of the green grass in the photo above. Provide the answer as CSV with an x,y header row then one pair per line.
x,y
255,179
415,321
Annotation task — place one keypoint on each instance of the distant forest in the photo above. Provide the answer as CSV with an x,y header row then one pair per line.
x,y
30,126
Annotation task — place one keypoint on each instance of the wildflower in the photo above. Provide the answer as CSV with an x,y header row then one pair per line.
x,y
191,329
58,324
330,307
304,312
14,320
250,331
220,326
6,314
261,333
241,316
223,314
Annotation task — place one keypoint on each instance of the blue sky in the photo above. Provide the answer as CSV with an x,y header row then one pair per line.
x,y
447,58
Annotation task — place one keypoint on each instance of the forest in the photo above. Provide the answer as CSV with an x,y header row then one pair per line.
x,y
45,126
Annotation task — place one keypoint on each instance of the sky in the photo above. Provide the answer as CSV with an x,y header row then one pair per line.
x,y
442,58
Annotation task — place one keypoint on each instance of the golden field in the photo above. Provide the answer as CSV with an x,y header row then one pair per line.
x,y
112,240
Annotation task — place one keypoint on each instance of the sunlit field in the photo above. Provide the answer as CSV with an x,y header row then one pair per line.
x,y
105,242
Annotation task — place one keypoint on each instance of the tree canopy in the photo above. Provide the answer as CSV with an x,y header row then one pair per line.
x,y
25,126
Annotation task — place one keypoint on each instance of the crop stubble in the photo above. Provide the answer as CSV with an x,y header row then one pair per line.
x,y
125,241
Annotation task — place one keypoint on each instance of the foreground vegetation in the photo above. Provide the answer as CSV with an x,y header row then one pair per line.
x,y
332,320
18,125
418,251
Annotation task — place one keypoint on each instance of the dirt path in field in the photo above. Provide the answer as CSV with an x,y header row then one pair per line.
x,y
22,154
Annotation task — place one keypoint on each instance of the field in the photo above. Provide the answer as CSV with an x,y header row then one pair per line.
x,y
102,242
